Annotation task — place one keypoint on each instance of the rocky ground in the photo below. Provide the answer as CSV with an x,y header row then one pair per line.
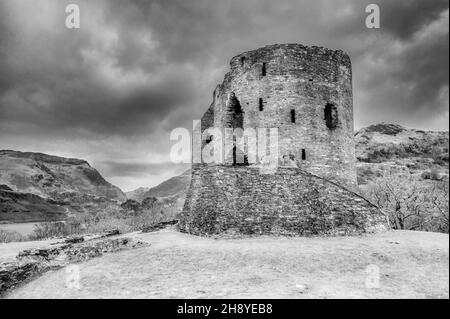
x,y
54,254
396,264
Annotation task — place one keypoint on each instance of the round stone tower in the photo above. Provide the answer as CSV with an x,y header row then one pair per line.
x,y
305,92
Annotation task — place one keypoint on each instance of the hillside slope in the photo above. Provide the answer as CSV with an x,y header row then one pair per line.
x,y
50,176
174,187
391,148
39,187
382,142
25,207
137,194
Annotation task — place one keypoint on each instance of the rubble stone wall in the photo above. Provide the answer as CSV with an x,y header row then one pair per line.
x,y
241,200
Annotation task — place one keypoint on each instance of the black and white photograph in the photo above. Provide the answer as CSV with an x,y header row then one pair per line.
x,y
224,154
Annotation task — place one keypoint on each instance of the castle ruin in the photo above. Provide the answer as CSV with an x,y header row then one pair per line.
x,y
306,94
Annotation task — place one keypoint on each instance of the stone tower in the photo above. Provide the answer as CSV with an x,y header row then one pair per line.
x,y
306,94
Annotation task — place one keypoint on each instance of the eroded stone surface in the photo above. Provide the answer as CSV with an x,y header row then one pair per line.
x,y
225,199
33,262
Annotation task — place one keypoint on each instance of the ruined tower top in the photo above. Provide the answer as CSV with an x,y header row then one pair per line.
x,y
278,53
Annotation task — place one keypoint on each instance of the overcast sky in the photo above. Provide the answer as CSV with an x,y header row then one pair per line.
x,y
111,91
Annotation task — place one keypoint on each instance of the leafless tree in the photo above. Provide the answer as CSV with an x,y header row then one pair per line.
x,y
411,204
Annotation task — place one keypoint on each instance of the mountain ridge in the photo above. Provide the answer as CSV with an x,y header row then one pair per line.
x,y
48,176
172,187
40,187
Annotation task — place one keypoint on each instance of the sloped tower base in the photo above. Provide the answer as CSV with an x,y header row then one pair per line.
x,y
290,202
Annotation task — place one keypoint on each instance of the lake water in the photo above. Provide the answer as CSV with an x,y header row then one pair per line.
x,y
22,228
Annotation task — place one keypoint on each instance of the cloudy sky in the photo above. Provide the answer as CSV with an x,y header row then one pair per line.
x,y
111,91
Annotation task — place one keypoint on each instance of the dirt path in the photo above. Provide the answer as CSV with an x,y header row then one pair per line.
x,y
410,265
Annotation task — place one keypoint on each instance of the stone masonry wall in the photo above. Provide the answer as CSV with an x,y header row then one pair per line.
x,y
300,79
235,199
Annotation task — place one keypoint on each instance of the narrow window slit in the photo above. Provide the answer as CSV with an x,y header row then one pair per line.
x,y
303,154
331,116
264,69
261,104
293,116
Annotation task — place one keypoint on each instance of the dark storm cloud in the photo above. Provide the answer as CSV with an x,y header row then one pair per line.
x,y
422,68
64,80
98,110
405,17
208,34
137,69
143,38
405,78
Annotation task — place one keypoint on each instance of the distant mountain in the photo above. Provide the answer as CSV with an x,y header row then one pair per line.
x,y
171,188
394,148
137,194
40,187
385,142
170,194
52,177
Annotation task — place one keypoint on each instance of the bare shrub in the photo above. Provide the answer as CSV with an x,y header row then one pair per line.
x,y
7,236
123,221
439,201
107,218
103,220
411,204
55,229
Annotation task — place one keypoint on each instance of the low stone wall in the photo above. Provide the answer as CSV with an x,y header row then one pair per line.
x,y
33,262
159,226
241,200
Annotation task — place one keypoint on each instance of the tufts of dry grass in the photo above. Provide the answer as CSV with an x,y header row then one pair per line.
x,y
101,221
396,264
7,236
